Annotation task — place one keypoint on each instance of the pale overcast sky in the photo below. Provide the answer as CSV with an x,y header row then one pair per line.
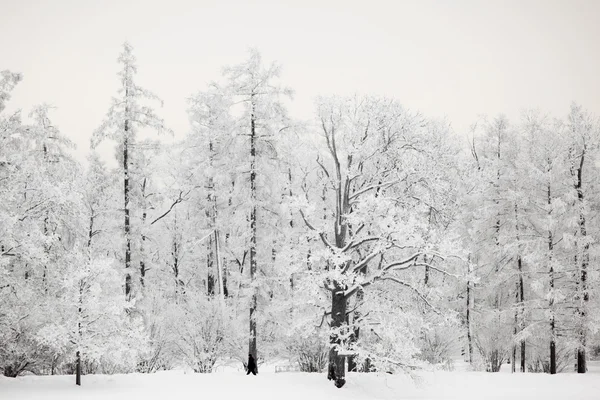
x,y
455,58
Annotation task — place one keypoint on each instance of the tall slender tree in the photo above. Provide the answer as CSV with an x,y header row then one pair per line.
x,y
125,117
262,119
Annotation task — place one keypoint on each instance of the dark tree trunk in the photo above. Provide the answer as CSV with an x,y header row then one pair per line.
x,y
225,269
126,207
513,364
210,264
519,318
79,335
585,258
175,255
253,304
552,351
211,214
581,361
468,318
551,278
521,310
520,290
143,243
337,370
78,370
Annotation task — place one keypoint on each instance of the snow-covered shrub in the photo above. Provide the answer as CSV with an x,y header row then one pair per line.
x,y
22,353
387,335
21,319
158,355
438,343
199,327
493,339
309,348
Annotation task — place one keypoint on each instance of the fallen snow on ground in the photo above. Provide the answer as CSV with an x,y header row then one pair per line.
x,y
234,384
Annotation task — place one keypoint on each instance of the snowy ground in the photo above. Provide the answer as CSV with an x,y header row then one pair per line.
x,y
267,385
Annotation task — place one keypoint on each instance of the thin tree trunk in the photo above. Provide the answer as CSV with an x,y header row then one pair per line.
x,y
179,286
253,304
79,335
226,262
78,370
126,208
495,353
583,292
80,308
210,281
521,311
551,281
211,213
143,243
520,291
469,337
513,364
220,276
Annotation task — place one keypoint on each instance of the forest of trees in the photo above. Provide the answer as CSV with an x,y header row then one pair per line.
x,y
370,238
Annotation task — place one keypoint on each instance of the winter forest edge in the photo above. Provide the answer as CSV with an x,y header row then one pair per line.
x,y
371,238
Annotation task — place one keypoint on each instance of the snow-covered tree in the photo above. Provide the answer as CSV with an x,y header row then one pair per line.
x,y
378,194
126,116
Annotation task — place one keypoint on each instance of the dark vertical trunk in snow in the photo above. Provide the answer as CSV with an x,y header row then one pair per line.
x,y
175,256
219,260
78,370
82,284
126,208
468,316
552,317
521,311
47,252
143,242
46,247
211,215
79,335
513,364
210,281
583,295
226,269
253,303
337,367
495,353
551,280
551,304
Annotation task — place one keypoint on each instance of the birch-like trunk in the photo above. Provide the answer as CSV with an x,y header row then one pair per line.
x,y
127,227
143,242
252,349
585,259
551,301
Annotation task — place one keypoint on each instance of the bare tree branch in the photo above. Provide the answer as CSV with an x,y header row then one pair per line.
x,y
321,234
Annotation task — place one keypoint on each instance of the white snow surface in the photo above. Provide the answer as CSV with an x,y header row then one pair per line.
x,y
234,384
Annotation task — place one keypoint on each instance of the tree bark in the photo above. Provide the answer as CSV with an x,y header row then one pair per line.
x,y
337,367
78,370
126,208
210,281
583,292
253,304
469,337
143,243
551,280
220,275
